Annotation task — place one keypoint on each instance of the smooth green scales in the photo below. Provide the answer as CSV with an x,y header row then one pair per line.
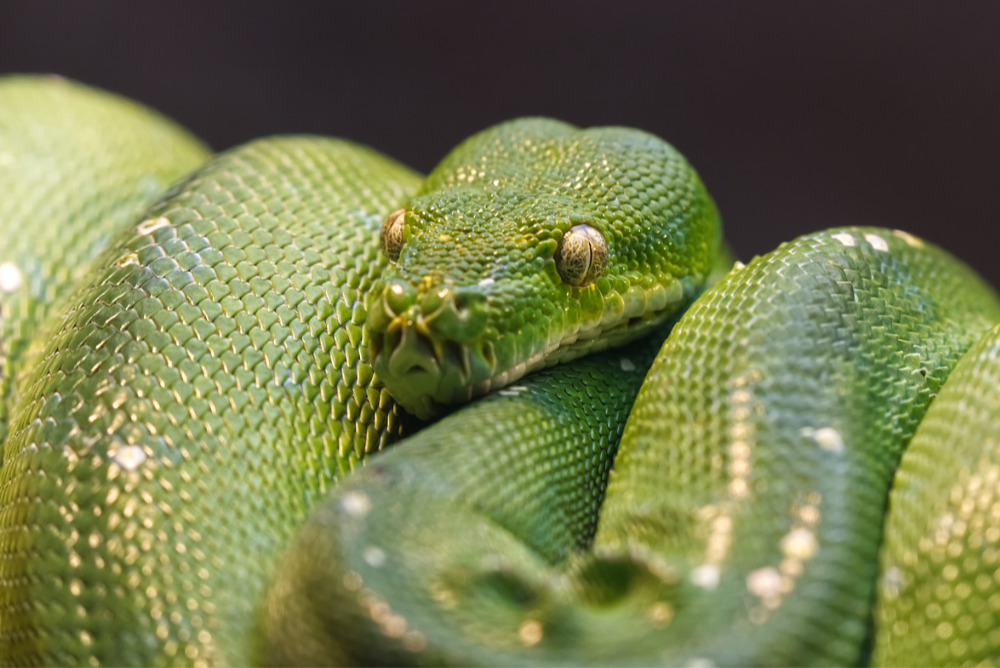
x,y
213,378
741,522
76,165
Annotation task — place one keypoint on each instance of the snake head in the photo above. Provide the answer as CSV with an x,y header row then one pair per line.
x,y
533,243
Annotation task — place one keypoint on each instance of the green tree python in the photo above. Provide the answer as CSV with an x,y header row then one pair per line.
x,y
199,352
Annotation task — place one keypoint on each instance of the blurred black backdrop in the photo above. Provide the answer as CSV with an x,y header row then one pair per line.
x,y
799,115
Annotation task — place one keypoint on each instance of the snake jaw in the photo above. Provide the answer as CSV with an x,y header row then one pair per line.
x,y
428,346
425,374
435,349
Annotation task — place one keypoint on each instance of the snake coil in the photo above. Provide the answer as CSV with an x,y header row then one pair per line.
x,y
192,374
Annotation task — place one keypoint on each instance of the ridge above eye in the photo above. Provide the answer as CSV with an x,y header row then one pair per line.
x,y
581,256
391,234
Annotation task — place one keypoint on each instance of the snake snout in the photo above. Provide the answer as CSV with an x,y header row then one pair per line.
x,y
457,314
427,344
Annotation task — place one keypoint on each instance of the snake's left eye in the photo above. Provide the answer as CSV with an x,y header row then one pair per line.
x,y
391,235
581,256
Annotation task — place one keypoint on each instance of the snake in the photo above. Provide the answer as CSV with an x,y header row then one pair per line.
x,y
296,404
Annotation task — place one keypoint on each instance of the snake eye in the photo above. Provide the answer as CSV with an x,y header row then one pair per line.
x,y
581,256
391,235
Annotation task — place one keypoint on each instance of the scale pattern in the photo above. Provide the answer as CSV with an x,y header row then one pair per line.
x,y
483,230
520,471
939,594
759,453
530,462
742,519
208,383
76,166
211,379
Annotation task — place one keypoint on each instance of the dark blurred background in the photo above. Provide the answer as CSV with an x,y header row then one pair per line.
x,y
799,115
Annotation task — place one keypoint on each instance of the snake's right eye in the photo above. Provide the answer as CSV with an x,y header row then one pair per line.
x,y
581,256
391,236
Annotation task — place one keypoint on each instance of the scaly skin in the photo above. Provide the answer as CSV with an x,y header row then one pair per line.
x,y
741,525
536,432
220,338
76,165
344,594
212,378
475,300
208,383
939,593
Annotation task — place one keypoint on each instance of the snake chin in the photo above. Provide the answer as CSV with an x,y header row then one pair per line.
x,y
425,375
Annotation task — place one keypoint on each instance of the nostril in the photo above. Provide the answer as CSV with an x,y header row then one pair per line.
x,y
399,296
454,314
466,299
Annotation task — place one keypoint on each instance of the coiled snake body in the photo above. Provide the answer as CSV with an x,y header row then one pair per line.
x,y
179,480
